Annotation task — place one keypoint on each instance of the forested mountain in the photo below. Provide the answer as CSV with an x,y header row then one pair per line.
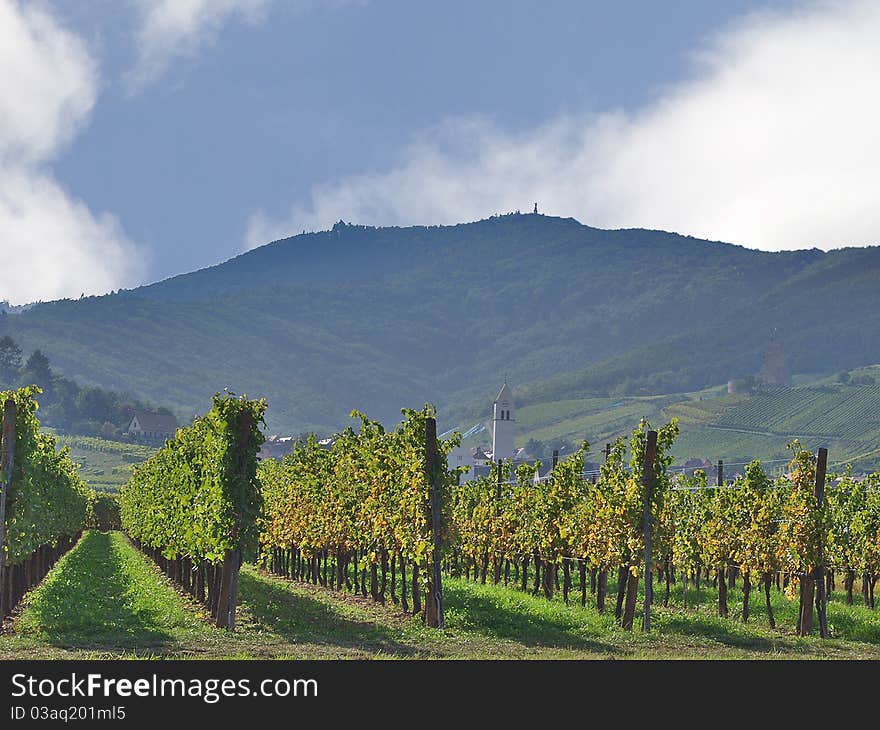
x,y
378,318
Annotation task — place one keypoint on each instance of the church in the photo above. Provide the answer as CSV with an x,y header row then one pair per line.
x,y
502,429
503,423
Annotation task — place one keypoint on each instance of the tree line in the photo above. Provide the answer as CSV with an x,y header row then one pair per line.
x,y
65,405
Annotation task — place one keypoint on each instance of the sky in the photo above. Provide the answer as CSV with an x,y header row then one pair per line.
x,y
144,138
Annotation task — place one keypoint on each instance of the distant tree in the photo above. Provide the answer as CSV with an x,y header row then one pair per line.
x,y
97,404
64,394
109,431
10,360
535,448
843,376
37,370
543,450
561,445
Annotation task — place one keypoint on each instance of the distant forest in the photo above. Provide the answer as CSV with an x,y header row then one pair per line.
x,y
64,404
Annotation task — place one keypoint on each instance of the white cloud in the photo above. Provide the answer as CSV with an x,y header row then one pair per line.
x,y
48,83
771,143
170,29
51,245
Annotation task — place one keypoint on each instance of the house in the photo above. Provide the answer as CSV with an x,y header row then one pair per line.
x,y
154,427
691,465
275,447
543,474
460,456
480,457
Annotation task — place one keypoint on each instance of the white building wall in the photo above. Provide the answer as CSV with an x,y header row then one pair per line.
x,y
461,456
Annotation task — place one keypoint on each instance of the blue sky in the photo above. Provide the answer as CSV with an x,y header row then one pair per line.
x,y
151,137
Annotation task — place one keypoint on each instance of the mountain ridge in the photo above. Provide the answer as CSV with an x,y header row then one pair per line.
x,y
379,318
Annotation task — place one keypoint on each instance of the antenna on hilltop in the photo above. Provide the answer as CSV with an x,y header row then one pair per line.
x,y
536,209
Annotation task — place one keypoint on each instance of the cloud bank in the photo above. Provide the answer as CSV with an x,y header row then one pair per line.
x,y
51,245
772,143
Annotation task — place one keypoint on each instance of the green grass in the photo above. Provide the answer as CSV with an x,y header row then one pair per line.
x,y
105,596
104,599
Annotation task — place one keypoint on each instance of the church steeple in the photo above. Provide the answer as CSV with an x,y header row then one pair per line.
x,y
503,424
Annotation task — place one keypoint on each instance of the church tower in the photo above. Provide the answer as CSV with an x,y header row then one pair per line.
x,y
775,370
503,424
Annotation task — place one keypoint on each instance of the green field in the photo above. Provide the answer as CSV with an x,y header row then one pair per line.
x,y
714,425
105,465
104,599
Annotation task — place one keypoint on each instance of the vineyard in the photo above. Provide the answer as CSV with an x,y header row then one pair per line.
x,y
106,465
811,411
379,518
736,428
43,504
364,505
193,507
330,510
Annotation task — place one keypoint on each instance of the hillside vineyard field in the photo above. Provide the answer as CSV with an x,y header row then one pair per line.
x,y
106,465
735,428
374,547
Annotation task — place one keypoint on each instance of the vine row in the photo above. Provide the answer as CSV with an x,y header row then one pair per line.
x,y
193,506
44,501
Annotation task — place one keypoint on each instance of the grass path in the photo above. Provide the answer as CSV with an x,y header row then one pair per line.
x,y
104,599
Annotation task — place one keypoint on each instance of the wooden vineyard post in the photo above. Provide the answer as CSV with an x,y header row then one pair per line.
x,y
233,590
648,491
434,604
6,462
226,604
720,481
607,451
819,573
548,582
496,575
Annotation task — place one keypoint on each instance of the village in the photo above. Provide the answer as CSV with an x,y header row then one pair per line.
x,y
476,460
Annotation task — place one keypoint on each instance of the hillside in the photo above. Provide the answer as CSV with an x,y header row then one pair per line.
x,y
104,465
844,417
378,318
